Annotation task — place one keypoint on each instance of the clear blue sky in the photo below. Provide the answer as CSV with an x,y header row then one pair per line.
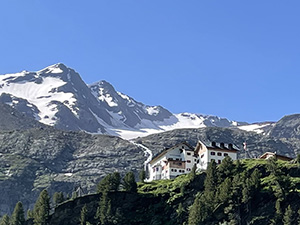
x,y
235,59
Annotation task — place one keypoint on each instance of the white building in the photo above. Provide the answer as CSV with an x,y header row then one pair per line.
x,y
214,151
181,158
172,162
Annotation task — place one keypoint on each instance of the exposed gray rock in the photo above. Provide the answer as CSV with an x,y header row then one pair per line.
x,y
41,158
256,143
12,119
130,111
287,127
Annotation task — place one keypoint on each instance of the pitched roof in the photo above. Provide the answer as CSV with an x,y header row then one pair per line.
x,y
169,149
219,145
272,154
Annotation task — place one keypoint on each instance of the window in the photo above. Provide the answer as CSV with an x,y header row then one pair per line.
x,y
219,154
219,161
225,154
177,159
175,170
166,171
195,160
188,169
156,168
188,153
202,155
188,161
172,170
212,153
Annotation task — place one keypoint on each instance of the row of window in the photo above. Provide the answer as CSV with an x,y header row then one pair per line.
x,y
218,154
175,170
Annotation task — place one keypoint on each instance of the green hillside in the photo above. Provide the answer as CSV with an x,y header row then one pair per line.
x,y
242,192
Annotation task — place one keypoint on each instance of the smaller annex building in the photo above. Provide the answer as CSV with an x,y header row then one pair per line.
x,y
268,155
181,158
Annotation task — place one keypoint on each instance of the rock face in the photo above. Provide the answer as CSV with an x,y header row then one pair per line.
x,y
34,159
287,127
126,108
256,143
12,119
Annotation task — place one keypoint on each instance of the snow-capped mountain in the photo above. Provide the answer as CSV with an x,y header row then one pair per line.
x,y
57,96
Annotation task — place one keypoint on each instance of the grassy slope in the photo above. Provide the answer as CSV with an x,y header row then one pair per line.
x,y
157,202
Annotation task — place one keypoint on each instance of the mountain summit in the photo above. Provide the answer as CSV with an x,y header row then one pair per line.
x,y
57,96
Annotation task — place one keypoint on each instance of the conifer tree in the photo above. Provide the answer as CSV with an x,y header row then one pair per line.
x,y
115,181
224,190
104,211
83,214
238,167
288,216
298,160
193,172
180,213
278,215
199,211
74,195
41,209
129,182
18,217
111,182
211,179
58,197
194,215
142,175
29,214
5,220
226,168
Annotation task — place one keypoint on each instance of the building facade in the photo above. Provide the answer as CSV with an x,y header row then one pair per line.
x,y
172,162
181,158
214,151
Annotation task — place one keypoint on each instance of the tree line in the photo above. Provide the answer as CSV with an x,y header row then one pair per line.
x,y
41,211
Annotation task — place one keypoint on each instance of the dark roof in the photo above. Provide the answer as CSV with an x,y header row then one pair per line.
x,y
218,145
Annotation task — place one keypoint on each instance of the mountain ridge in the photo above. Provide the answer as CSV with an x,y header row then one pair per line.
x,y
57,96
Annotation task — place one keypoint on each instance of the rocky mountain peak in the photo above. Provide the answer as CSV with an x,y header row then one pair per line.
x,y
57,96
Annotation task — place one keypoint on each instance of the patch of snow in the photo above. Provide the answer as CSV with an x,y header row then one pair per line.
x,y
55,70
254,127
68,174
129,101
41,96
152,110
147,152
108,99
